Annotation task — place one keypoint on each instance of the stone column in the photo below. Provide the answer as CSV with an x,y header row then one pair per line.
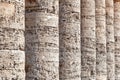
x,y
117,38
42,40
88,44
110,39
101,64
12,56
69,28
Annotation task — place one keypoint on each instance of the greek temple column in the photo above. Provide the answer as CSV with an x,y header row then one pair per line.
x,y
12,54
42,40
88,38
110,39
101,56
69,28
117,38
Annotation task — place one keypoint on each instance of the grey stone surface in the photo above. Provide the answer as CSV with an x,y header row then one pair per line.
x,y
42,40
88,40
12,63
101,55
69,28
12,56
117,38
63,40
110,41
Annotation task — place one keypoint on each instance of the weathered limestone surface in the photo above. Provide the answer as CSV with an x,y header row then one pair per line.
x,y
12,63
88,38
42,40
12,57
69,28
110,39
101,57
117,38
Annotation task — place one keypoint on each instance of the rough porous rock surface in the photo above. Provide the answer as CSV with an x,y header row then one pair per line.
x,y
42,40
117,38
12,65
12,56
110,39
88,42
101,57
69,28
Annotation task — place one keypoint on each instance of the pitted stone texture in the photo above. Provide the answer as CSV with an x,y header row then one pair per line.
x,y
7,10
88,40
12,74
101,56
12,57
36,20
45,6
15,59
11,39
110,40
42,48
69,28
42,40
117,39
12,25
12,63
12,16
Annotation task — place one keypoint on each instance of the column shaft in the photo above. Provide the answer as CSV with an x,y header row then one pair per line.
x,y
69,28
42,40
88,40
117,38
110,39
101,57
12,57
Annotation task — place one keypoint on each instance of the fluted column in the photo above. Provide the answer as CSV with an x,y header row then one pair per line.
x,y
110,39
42,40
69,28
101,64
117,38
12,56
88,44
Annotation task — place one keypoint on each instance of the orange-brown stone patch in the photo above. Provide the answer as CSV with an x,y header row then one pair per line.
x,y
30,1
116,0
7,9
